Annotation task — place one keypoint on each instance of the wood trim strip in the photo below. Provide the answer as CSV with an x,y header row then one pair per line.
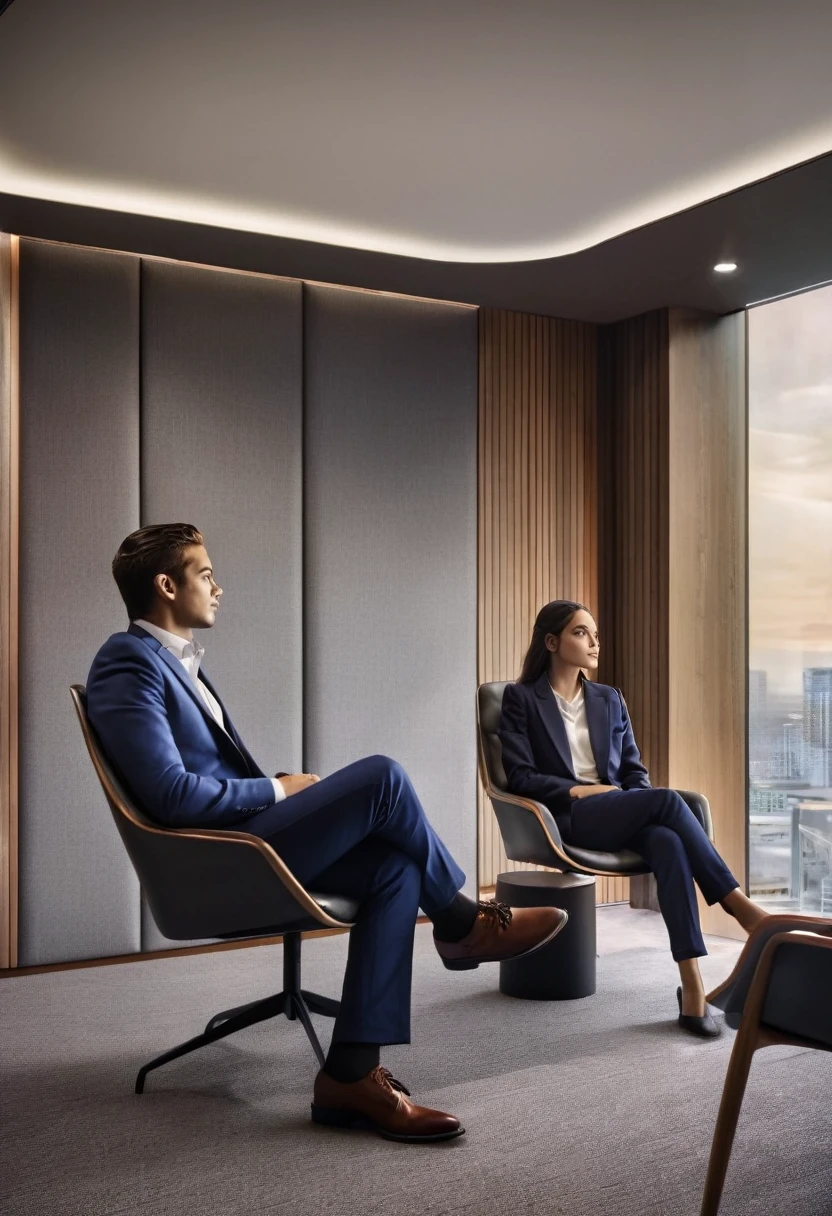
x,y
9,560
212,948
244,943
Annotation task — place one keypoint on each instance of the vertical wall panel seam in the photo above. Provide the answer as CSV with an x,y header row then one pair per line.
x,y
140,337
14,610
746,437
304,549
9,562
139,341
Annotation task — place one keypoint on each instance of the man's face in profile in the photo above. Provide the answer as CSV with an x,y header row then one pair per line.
x,y
196,596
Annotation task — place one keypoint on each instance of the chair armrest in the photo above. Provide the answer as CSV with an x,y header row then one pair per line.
x,y
700,806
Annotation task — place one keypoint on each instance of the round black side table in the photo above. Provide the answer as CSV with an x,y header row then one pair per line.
x,y
565,969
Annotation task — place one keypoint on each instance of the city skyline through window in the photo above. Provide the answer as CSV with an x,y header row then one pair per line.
x,y
790,602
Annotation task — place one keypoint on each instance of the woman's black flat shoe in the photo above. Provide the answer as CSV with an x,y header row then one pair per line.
x,y
704,1028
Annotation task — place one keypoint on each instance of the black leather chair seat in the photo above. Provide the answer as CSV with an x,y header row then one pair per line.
x,y
626,862
340,907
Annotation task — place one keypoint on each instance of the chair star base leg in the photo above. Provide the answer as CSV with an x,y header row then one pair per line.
x,y
293,1002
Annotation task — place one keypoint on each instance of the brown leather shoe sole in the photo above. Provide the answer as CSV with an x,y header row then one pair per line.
x,y
468,964
353,1120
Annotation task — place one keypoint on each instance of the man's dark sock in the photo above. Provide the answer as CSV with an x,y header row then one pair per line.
x,y
457,920
348,1062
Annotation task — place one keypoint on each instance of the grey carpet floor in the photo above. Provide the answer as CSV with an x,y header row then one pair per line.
x,y
592,1107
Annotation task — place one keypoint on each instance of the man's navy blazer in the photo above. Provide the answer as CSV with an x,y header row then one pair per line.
x,y
181,766
536,753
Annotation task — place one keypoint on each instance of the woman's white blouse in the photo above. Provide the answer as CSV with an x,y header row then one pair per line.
x,y
577,732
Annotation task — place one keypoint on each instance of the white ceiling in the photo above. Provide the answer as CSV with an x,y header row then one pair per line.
x,y
462,130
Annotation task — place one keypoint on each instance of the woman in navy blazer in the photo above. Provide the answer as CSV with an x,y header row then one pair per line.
x,y
568,743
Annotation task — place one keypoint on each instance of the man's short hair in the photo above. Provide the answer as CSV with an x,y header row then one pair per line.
x,y
157,549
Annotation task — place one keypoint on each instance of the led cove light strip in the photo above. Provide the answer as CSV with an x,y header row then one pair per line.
x,y
18,178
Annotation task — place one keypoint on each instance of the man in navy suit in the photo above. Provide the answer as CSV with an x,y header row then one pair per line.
x,y
360,832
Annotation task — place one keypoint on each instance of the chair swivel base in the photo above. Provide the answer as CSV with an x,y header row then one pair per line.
x,y
294,1002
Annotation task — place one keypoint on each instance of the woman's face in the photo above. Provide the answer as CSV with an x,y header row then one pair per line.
x,y
578,644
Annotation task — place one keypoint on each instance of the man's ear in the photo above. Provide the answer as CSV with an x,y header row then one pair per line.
x,y
165,586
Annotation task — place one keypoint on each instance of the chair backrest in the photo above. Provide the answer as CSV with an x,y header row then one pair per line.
x,y
790,985
201,882
490,749
798,999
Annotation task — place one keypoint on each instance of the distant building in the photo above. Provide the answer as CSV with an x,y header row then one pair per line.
x,y
793,750
767,802
758,726
817,725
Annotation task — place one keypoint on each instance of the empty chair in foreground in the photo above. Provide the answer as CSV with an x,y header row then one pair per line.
x,y
779,992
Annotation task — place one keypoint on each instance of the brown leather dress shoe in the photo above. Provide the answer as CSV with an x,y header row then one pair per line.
x,y
379,1103
501,932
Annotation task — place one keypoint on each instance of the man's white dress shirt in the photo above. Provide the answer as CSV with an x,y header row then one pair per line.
x,y
190,655
577,732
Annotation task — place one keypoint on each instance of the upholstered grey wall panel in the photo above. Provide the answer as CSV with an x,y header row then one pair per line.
x,y
221,448
79,496
390,594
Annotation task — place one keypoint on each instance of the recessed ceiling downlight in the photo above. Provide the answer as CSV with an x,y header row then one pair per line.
x,y
725,267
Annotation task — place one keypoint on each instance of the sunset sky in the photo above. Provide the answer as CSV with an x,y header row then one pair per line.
x,y
790,475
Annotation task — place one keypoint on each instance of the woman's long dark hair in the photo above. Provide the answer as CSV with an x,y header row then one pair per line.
x,y
552,618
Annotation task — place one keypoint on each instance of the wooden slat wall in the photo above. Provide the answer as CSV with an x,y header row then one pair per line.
x,y
538,494
8,599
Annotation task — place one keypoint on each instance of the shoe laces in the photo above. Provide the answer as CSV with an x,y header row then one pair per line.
x,y
386,1079
493,909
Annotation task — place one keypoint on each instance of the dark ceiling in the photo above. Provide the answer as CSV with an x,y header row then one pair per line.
x,y
779,231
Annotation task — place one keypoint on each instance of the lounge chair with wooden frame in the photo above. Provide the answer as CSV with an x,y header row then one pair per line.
x,y
780,992
207,883
528,828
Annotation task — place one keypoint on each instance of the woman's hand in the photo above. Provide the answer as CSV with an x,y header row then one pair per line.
x,y
293,783
586,791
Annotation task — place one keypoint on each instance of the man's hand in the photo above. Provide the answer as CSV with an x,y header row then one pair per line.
x,y
293,783
586,791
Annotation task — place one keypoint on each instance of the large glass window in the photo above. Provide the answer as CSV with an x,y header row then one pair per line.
x,y
790,609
